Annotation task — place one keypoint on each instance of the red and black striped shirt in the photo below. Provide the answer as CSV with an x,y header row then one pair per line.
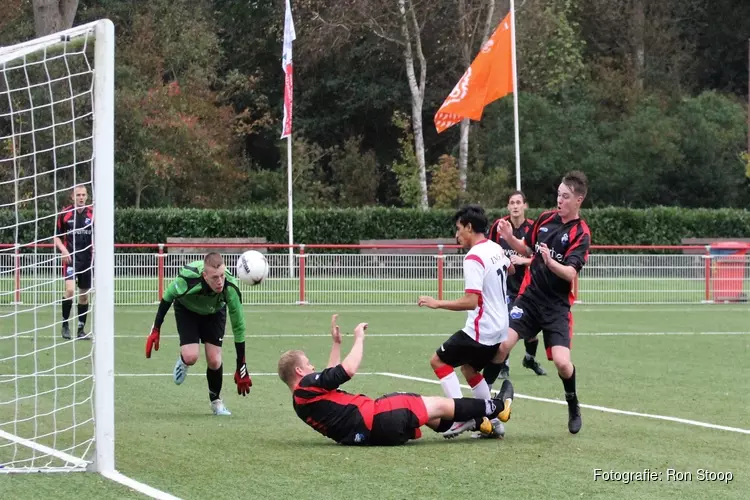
x,y
514,280
346,418
75,229
569,244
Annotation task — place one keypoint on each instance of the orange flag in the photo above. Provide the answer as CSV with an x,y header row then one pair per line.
x,y
489,78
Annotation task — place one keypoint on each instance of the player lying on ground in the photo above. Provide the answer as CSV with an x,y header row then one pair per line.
x,y
394,419
485,274
202,293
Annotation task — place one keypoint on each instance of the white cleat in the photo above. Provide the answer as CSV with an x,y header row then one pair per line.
x,y
180,371
459,428
218,408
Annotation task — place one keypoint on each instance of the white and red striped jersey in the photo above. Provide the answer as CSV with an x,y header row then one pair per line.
x,y
485,274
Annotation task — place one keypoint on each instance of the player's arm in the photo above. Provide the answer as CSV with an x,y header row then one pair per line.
x,y
175,289
354,358
473,278
468,302
522,247
335,357
237,318
59,229
575,258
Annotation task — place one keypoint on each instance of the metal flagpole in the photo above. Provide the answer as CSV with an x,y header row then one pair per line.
x,y
515,92
286,64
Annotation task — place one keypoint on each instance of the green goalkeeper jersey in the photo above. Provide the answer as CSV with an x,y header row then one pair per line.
x,y
190,290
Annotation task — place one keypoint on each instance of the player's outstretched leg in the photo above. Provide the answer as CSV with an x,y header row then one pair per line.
x,y
529,359
470,413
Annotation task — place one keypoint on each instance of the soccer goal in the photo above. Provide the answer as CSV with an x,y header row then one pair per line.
x,y
56,134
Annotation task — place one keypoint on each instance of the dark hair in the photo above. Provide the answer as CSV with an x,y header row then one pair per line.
x,y
213,259
474,215
517,192
577,182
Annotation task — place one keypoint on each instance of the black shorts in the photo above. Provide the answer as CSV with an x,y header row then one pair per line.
x,y
397,419
205,328
80,271
528,318
460,349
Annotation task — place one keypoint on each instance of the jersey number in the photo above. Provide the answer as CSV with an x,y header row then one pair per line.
x,y
502,274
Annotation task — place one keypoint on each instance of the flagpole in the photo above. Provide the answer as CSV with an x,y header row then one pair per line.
x,y
286,64
290,205
515,93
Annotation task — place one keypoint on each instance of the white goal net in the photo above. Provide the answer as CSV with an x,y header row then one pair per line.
x,y
56,143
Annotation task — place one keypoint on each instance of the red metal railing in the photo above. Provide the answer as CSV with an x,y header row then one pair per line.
x,y
162,248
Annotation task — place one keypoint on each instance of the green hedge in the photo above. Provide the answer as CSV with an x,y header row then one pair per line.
x,y
609,226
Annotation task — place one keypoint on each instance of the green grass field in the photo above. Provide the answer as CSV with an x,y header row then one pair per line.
x,y
685,362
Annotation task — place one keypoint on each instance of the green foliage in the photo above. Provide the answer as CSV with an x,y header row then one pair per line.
x,y
406,167
355,173
550,46
445,187
609,226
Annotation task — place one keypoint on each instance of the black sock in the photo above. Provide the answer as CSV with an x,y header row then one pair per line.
x,y
569,384
444,425
468,408
83,310
531,348
214,382
67,305
491,372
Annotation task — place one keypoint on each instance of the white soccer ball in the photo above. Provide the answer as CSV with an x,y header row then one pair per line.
x,y
252,267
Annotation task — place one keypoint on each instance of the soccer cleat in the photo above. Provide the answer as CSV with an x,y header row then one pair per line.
x,y
180,371
81,334
533,365
461,427
490,429
504,399
574,415
65,332
218,408
504,371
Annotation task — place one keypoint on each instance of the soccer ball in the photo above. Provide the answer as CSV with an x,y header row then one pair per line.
x,y
252,267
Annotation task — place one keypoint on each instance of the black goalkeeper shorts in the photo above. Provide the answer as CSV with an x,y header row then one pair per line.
x,y
204,328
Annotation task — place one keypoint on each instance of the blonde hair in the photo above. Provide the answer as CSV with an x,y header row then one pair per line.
x,y
287,363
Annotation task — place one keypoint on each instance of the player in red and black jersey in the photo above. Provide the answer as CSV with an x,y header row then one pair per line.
x,y
521,226
394,419
559,245
74,238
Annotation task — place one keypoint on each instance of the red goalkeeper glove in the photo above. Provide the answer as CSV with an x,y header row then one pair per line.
x,y
242,378
152,341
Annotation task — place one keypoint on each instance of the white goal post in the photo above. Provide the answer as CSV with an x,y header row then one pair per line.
x,y
56,132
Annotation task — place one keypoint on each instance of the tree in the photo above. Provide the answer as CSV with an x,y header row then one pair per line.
x,y
51,16
400,26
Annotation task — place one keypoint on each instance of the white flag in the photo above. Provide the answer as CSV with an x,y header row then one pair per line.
x,y
286,64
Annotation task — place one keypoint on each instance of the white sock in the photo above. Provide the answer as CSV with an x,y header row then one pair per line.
x,y
451,387
479,388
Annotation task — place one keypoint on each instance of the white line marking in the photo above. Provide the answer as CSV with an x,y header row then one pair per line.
x,y
445,335
139,487
67,458
593,407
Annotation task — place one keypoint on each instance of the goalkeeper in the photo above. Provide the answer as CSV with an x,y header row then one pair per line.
x,y
202,293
